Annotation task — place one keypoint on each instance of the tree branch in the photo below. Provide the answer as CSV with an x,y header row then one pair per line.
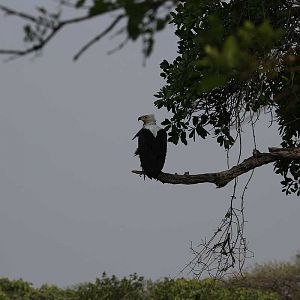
x,y
35,48
53,29
98,37
220,179
22,15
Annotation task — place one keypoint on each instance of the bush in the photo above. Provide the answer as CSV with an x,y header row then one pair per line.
x,y
112,288
282,278
132,287
208,289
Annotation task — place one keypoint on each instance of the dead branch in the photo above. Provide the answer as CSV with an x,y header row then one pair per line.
x,y
53,30
220,179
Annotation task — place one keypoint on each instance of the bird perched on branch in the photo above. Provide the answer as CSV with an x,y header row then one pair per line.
x,y
152,146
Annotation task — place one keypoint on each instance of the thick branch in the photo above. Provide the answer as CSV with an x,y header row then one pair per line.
x,y
220,179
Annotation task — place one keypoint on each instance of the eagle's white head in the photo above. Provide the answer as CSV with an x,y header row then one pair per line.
x,y
148,119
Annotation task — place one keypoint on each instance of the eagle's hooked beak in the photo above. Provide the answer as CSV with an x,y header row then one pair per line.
x,y
140,118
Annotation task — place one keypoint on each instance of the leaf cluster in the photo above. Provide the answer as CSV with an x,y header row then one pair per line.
x,y
288,115
144,18
236,58
44,22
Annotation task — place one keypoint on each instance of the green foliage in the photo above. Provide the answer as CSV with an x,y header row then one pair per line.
x,y
288,111
100,7
144,18
209,289
132,288
15,289
235,59
21,290
283,278
112,288
79,3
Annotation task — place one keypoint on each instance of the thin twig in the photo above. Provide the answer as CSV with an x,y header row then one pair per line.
x,y
98,37
34,48
19,14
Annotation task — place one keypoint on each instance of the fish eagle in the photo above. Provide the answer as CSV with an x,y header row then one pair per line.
x,y
152,146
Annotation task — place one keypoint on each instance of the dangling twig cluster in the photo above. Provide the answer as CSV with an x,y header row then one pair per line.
x,y
227,249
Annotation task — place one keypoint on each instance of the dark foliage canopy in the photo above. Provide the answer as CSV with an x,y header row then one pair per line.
x,y
236,59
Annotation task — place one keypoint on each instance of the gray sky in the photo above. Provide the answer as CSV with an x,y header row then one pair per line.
x,y
70,207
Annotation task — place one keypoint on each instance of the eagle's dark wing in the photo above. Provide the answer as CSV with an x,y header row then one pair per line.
x,y
152,151
161,144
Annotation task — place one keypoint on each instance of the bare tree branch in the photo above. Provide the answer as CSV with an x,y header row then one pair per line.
x,y
35,48
99,36
13,12
39,45
119,47
220,179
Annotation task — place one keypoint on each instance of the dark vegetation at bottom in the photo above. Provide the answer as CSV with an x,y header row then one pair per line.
x,y
270,281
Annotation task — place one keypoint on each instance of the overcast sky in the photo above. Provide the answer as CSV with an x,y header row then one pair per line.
x,y
70,207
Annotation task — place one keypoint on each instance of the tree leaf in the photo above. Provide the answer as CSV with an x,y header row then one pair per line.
x,y
79,3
